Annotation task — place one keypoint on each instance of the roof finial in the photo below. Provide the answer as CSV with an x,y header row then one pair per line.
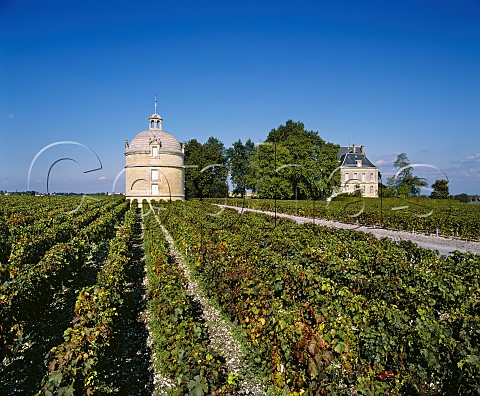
x,y
155,104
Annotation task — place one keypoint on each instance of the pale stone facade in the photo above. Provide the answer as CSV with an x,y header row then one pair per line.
x,y
154,164
357,172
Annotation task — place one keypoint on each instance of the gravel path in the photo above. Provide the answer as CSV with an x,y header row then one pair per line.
x,y
161,384
443,245
219,330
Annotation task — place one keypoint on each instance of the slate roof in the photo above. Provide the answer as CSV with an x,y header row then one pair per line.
x,y
347,158
343,150
141,142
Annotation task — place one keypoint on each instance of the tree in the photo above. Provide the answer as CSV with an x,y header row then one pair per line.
x,y
440,189
386,192
405,183
303,159
267,181
194,156
216,175
206,173
463,197
239,162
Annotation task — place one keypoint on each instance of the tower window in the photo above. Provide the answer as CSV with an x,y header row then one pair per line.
x,y
154,189
154,151
154,174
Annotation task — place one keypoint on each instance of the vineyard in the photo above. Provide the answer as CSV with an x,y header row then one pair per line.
x,y
447,218
62,279
327,311
96,297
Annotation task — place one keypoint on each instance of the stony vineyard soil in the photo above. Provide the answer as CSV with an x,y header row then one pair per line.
x,y
220,331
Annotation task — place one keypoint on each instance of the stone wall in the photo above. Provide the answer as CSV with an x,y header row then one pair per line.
x,y
171,176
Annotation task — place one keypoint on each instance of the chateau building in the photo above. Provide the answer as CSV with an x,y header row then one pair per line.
x,y
154,164
357,172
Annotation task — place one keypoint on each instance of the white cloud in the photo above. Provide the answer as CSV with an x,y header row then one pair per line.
x,y
465,172
470,158
102,178
385,162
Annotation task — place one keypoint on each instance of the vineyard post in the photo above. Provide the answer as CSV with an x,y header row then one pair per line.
x,y
275,195
201,239
314,194
313,209
381,199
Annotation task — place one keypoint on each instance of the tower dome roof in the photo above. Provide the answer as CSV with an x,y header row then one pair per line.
x,y
141,142
155,134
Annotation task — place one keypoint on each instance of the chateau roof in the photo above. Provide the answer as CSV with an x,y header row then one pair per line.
x,y
350,157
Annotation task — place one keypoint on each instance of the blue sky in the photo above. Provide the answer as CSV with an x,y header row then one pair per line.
x,y
396,76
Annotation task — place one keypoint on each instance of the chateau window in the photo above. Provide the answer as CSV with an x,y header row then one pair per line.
x,y
154,174
363,189
346,176
359,163
154,189
355,176
371,177
371,190
154,151
364,177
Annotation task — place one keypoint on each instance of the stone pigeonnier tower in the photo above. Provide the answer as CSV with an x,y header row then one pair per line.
x,y
154,164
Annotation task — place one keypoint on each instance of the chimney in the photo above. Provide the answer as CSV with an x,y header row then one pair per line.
x,y
354,148
362,149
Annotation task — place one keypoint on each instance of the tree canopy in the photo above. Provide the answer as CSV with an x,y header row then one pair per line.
x,y
440,189
405,183
239,157
294,162
463,197
206,173
267,182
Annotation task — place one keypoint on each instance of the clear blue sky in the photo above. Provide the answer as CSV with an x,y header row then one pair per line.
x,y
396,76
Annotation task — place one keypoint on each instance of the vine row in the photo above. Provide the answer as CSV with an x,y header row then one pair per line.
x,y
72,364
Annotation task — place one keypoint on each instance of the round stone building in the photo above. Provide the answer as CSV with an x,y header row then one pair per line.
x,y
154,164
